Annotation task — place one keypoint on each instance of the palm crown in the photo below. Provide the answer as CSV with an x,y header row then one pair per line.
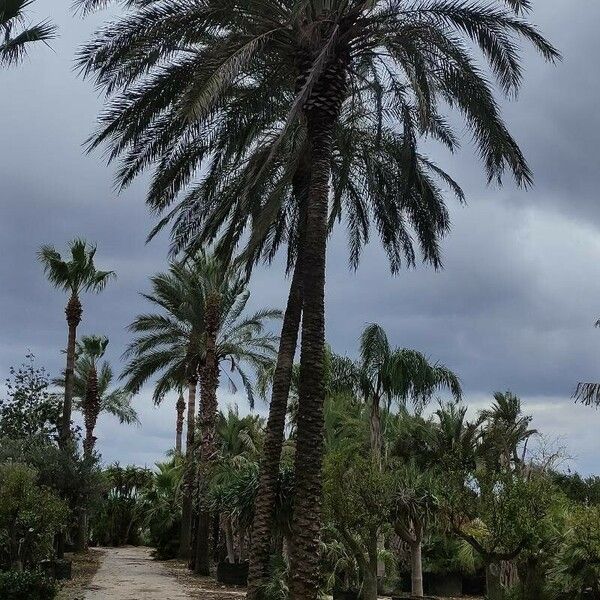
x,y
226,84
15,36
79,273
171,343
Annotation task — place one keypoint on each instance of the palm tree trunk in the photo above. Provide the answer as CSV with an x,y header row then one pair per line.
x,y
416,568
306,523
229,539
91,411
185,538
209,381
179,427
269,468
73,313
375,423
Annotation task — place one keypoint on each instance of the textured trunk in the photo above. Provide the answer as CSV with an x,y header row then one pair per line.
x,y
73,313
179,428
269,468
375,422
229,540
306,524
185,538
209,381
91,411
370,568
416,569
493,582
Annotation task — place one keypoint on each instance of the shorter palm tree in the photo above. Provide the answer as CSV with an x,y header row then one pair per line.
x,y
94,392
15,35
77,275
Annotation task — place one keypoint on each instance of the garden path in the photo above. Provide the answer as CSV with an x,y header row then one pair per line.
x,y
132,574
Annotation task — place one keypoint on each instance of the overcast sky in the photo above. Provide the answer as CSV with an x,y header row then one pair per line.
x,y
513,309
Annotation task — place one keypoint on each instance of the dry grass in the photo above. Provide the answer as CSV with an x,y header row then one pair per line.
x,y
84,569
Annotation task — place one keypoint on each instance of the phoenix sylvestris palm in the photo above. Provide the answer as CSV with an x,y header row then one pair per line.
x,y
202,325
16,35
180,407
405,58
76,275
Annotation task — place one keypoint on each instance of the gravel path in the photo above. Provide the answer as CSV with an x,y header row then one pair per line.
x,y
131,574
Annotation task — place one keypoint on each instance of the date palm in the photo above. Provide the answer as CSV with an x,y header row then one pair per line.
x,y
184,73
76,275
15,35
90,375
202,324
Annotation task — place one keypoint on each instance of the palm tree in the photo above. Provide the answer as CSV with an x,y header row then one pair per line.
x,y
93,392
385,374
77,275
15,36
252,61
201,325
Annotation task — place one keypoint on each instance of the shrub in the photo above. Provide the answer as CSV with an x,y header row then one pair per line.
x,y
26,585
30,515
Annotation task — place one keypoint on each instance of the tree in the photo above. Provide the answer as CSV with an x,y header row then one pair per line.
x,y
202,325
15,36
386,374
29,410
30,515
180,407
329,54
77,275
588,393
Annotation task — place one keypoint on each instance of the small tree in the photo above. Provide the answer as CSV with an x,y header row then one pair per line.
x,y
29,409
30,515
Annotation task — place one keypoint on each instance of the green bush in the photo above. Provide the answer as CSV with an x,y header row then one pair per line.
x,y
26,585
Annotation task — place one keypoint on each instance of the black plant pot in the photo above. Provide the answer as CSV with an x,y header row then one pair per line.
x,y
345,594
232,573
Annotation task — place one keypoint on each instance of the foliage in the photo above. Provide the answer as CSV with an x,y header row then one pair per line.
x,y
119,519
26,585
29,409
576,568
15,36
30,515
160,507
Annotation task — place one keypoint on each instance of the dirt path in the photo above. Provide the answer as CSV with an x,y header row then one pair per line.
x,y
131,574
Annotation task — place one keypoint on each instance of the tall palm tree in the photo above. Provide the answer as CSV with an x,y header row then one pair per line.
x,y
16,35
76,275
313,59
202,324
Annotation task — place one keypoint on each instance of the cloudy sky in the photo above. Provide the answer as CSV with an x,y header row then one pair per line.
x,y
513,309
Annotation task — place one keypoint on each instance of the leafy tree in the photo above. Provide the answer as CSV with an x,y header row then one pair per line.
x,y
29,409
30,515
76,275
15,36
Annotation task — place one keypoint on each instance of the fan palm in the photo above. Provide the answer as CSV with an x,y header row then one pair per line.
x,y
76,275
201,325
15,35
182,69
